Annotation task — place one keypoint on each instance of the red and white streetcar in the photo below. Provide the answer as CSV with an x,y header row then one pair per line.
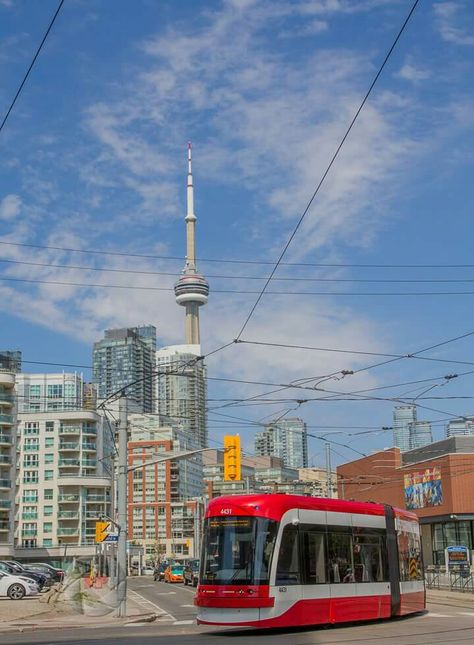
x,y
286,560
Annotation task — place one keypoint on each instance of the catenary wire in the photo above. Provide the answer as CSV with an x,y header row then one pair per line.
x,y
25,77
234,276
328,169
235,261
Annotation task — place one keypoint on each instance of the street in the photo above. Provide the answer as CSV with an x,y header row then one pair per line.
x,y
442,623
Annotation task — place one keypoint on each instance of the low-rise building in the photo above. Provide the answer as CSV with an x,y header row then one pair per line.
x,y
165,504
436,482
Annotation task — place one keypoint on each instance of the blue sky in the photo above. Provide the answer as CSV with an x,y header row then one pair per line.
x,y
94,158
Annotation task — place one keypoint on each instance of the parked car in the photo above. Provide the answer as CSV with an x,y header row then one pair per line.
x,y
191,573
174,573
17,587
57,574
40,578
23,569
159,572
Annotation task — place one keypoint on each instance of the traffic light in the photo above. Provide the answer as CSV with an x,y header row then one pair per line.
x,y
232,469
101,531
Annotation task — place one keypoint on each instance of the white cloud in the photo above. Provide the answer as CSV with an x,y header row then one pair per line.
x,y
410,72
10,207
446,16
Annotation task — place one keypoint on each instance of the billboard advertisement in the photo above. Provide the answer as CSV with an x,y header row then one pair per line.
x,y
423,488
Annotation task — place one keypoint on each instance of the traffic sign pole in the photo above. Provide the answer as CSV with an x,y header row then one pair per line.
x,y
122,509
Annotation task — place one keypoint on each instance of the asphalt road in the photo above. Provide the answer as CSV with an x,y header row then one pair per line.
x,y
441,624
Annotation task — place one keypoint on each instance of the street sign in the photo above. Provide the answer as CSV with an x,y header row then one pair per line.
x,y
111,537
101,531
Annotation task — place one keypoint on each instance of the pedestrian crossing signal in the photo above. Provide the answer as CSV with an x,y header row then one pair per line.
x,y
232,458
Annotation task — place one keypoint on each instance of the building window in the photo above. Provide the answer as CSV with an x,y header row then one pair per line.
x,y
48,475
48,493
49,442
30,461
49,458
35,391
48,510
47,542
55,391
30,445
49,426
47,527
31,427
30,496
30,477
28,544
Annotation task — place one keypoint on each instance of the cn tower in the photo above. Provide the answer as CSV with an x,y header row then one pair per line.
x,y
192,289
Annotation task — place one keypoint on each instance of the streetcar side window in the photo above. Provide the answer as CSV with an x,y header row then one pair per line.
x,y
288,567
370,560
313,549
340,556
409,553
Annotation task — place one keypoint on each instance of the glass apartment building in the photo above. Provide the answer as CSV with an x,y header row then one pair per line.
x,y
126,356
285,438
180,389
408,433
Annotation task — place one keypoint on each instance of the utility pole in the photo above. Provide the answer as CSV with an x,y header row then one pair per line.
x,y
122,508
328,470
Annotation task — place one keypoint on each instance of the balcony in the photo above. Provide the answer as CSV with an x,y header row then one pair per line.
x,y
68,498
6,483
73,531
5,460
5,504
4,526
5,440
70,430
68,515
29,516
89,463
6,397
29,532
69,446
29,500
69,463
89,430
96,499
89,447
6,419
31,447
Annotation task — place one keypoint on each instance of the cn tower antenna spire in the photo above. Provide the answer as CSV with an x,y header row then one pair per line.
x,y
192,289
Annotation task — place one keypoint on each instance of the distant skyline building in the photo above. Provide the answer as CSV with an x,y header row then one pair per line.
x,y
46,392
460,427
180,389
403,417
122,357
285,438
420,434
408,432
192,289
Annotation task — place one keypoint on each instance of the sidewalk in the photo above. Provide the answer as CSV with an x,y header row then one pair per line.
x,y
76,606
450,598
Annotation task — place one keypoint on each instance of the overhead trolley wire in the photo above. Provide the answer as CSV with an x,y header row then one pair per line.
x,y
25,77
326,172
340,265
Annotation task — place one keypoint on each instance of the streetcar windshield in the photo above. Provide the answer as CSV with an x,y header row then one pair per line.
x,y
237,550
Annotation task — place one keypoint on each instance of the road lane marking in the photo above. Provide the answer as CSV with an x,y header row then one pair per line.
x,y
183,622
432,614
144,601
465,613
187,606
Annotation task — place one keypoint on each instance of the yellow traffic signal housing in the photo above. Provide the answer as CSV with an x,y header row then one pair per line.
x,y
232,465
101,531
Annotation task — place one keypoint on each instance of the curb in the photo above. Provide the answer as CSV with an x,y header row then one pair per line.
x,y
39,626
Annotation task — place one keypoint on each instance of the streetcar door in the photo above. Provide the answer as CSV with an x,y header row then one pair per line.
x,y
287,590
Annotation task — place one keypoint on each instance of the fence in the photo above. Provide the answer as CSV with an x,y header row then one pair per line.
x,y
461,580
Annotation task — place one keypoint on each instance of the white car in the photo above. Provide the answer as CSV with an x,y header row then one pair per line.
x,y
16,587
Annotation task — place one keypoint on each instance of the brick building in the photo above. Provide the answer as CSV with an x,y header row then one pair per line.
x,y
436,482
